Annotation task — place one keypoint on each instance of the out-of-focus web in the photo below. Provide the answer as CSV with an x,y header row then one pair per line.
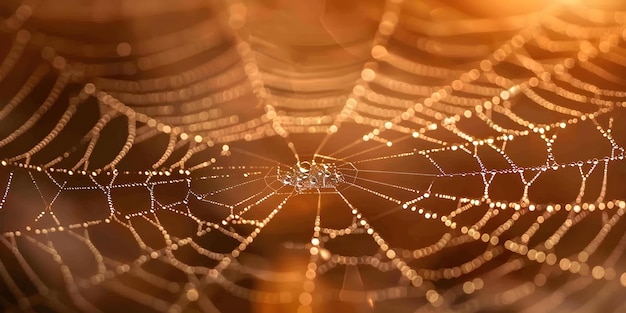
x,y
414,118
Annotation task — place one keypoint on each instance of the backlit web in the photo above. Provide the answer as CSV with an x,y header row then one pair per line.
x,y
355,156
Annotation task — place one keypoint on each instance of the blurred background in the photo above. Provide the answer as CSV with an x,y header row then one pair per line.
x,y
312,156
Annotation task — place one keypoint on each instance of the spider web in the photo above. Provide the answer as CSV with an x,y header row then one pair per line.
x,y
427,159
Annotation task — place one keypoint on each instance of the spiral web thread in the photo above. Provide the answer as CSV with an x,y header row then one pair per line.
x,y
433,106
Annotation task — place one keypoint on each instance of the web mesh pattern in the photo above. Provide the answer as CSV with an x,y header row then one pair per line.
x,y
375,156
